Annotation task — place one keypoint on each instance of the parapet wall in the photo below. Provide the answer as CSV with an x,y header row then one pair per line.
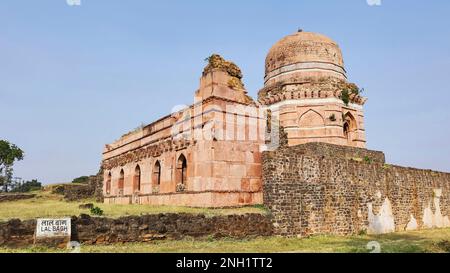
x,y
8,197
325,189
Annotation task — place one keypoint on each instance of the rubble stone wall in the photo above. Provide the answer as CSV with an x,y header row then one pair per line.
x,y
99,230
326,189
8,197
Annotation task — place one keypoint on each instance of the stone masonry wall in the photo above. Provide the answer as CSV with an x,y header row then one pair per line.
x,y
95,230
76,192
8,197
326,189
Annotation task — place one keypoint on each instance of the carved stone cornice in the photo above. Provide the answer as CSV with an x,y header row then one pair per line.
x,y
313,89
148,151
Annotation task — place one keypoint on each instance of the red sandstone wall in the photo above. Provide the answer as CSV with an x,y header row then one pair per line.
x,y
223,165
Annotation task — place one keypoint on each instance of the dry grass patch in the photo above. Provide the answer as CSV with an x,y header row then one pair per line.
x,y
46,204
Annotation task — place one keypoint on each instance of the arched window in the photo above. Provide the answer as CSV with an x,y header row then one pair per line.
x,y
137,179
269,121
121,182
108,183
182,170
349,127
156,179
346,130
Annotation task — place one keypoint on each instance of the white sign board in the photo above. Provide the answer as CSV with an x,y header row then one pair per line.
x,y
53,228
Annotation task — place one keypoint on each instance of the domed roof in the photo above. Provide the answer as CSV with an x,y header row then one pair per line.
x,y
304,55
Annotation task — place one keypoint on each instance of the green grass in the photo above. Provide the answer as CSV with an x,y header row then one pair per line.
x,y
46,204
405,242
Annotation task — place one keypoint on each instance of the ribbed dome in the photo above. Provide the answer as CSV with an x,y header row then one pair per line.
x,y
304,55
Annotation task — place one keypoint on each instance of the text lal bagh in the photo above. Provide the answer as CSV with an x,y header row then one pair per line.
x,y
53,227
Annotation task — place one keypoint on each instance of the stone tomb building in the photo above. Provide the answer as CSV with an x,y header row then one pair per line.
x,y
209,155
198,156
299,149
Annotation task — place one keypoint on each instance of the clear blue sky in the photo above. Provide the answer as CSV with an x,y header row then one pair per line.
x,y
73,78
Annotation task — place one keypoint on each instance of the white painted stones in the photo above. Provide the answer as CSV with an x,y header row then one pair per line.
x,y
435,219
412,225
383,222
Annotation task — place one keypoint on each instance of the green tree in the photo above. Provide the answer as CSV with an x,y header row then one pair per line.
x,y
9,153
81,180
27,186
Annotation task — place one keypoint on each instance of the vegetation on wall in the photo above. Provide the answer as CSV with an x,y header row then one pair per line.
x,y
345,96
367,159
235,83
348,90
135,130
215,61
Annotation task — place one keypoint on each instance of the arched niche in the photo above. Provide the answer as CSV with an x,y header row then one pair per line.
x,y
311,119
